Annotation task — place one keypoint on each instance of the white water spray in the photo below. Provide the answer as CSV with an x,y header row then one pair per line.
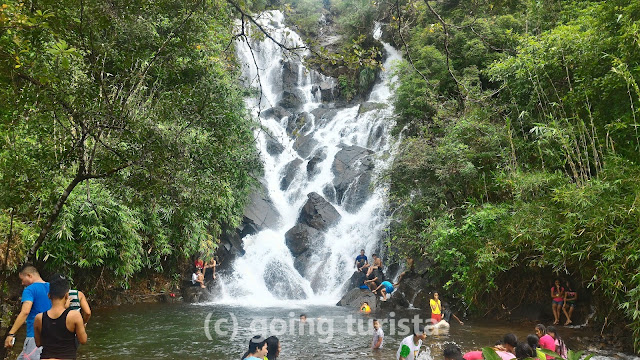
x,y
266,274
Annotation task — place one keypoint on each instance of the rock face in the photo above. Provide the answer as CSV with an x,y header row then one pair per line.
x,y
328,91
277,112
318,213
299,238
299,123
274,147
312,166
323,115
291,100
355,297
352,167
279,285
290,171
370,106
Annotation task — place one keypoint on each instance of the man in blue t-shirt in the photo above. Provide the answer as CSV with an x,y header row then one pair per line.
x,y
35,300
361,261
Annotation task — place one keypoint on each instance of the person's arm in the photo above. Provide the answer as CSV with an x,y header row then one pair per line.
x,y
455,317
20,320
84,305
78,326
37,329
404,352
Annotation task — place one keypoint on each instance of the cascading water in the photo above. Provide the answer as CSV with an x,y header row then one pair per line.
x,y
308,145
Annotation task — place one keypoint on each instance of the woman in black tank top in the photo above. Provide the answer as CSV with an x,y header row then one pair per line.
x,y
57,341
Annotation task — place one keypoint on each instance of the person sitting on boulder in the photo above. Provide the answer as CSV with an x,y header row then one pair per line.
x,y
377,264
373,280
409,270
197,278
361,261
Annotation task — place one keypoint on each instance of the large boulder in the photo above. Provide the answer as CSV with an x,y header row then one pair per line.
x,y
323,115
289,172
318,213
328,91
277,112
291,100
274,147
277,280
352,167
355,297
289,75
299,238
304,145
260,213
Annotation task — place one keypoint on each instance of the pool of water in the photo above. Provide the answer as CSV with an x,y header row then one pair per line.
x,y
214,331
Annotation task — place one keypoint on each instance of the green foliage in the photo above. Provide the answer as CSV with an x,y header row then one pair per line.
x,y
136,111
521,149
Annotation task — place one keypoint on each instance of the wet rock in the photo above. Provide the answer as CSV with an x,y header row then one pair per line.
x,y
318,213
274,147
299,238
277,280
290,171
312,166
277,112
421,299
260,213
394,302
291,100
194,294
370,106
290,75
329,193
304,145
301,263
323,115
352,167
299,123
328,91
355,297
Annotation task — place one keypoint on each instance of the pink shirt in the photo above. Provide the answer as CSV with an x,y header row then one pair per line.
x,y
477,355
558,299
547,342
473,355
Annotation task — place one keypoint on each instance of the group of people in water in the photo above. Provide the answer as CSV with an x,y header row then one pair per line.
x,y
56,317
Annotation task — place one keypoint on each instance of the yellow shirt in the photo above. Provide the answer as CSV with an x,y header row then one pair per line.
x,y
435,306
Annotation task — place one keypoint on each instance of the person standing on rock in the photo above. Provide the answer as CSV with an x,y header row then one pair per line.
x,y
410,346
378,335
361,261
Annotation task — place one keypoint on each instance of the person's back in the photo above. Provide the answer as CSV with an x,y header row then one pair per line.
x,y
58,328
57,341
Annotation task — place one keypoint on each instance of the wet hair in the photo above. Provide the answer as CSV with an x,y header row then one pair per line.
x,y
376,255
305,315
256,342
451,351
541,328
523,351
533,341
510,339
272,347
362,250
419,328
29,269
58,287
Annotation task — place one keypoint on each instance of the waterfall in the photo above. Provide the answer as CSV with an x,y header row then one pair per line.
x,y
310,145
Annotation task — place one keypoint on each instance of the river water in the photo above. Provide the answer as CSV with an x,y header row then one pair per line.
x,y
214,331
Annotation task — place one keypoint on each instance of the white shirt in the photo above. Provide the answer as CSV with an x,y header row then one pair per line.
x,y
194,278
413,348
377,334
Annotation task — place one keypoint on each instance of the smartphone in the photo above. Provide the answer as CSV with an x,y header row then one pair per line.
x,y
13,341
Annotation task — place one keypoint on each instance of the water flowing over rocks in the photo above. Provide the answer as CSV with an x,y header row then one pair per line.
x,y
312,143
352,167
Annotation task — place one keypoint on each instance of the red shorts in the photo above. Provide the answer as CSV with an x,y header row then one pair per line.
x,y
436,318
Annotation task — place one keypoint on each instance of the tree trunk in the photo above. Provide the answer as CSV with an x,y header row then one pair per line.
x,y
53,217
